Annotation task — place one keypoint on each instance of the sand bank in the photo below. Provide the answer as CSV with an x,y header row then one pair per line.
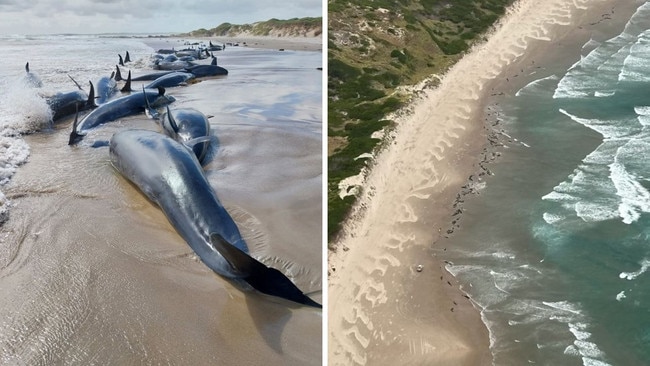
x,y
381,309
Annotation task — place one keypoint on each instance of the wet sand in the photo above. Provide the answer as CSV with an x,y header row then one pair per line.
x,y
381,309
91,272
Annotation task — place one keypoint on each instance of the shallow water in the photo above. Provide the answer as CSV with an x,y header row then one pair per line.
x,y
92,273
556,250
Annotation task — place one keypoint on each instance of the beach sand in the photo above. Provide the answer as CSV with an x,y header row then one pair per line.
x,y
381,309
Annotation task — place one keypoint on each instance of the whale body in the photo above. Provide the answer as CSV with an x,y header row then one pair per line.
x,y
169,174
118,108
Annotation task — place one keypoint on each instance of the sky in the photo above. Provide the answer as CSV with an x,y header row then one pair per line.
x,y
142,16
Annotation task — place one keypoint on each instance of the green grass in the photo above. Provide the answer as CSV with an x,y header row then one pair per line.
x,y
367,65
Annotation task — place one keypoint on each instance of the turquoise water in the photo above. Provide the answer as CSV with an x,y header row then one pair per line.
x,y
556,250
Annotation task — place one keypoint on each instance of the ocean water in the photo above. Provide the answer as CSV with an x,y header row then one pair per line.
x,y
556,249
91,272
52,58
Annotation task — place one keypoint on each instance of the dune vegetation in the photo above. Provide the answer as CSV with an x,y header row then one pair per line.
x,y
376,46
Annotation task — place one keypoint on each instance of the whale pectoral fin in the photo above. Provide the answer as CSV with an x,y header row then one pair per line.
x,y
264,279
74,135
149,111
100,143
197,140
75,82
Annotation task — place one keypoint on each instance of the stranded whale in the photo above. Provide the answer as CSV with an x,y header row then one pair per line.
x,y
169,174
64,104
118,108
185,125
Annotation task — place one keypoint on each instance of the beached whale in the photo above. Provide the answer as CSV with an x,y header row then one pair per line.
x,y
207,70
185,125
118,108
65,104
145,77
169,174
170,80
214,47
172,65
106,88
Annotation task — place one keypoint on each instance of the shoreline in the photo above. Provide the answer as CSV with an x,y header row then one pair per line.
x,y
288,43
413,191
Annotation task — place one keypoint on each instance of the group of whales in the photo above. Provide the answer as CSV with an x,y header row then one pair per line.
x,y
167,168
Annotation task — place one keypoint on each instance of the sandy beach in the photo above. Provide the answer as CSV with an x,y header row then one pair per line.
x,y
382,310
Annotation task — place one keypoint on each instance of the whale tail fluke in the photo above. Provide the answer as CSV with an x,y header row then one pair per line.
x,y
127,87
264,279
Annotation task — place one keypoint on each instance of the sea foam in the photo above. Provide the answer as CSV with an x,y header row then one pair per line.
x,y
645,265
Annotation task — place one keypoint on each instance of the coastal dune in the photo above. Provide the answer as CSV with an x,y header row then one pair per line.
x,y
382,309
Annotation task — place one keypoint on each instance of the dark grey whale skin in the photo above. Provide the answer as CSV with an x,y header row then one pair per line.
x,y
170,175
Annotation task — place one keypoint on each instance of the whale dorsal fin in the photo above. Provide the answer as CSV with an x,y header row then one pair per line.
x,y
118,74
27,67
90,103
264,279
127,86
